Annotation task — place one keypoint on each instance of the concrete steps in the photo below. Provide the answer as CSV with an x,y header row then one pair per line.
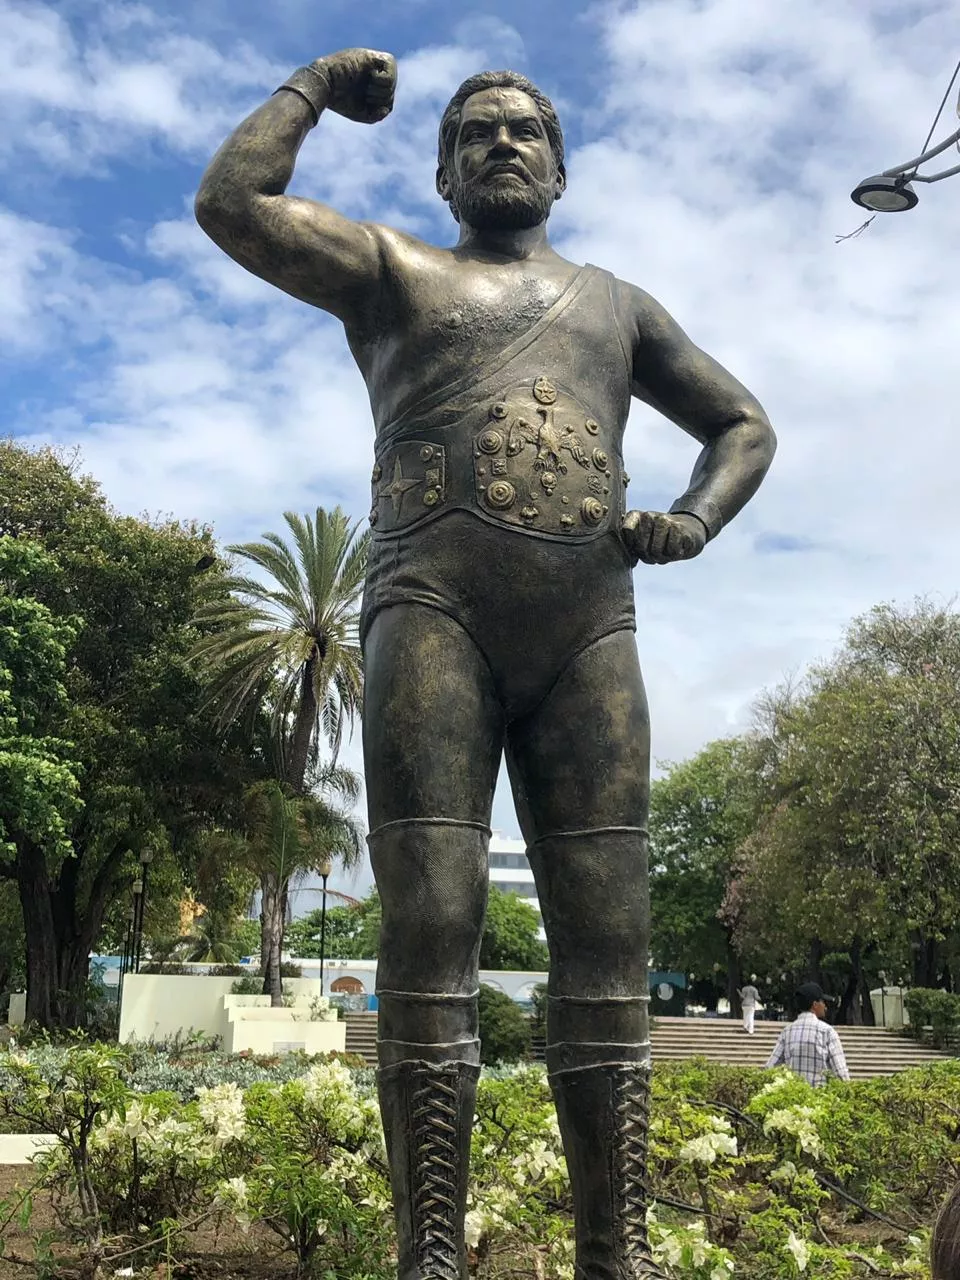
x,y
870,1051
362,1036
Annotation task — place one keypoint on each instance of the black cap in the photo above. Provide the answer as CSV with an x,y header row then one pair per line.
x,y
808,993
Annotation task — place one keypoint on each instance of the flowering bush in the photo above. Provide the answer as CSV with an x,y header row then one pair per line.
x,y
755,1173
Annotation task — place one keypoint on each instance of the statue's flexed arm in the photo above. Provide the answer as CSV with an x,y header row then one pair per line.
x,y
301,246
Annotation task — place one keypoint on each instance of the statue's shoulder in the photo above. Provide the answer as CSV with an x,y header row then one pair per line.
x,y
634,305
403,253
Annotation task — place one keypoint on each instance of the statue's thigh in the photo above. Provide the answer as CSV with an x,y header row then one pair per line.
x,y
432,724
581,760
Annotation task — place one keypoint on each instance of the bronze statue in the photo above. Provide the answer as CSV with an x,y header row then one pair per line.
x,y
498,613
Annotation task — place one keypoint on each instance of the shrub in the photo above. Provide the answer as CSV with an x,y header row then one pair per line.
x,y
504,1028
755,1173
939,1010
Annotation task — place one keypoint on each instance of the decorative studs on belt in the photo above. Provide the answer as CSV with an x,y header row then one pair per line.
x,y
501,494
544,391
491,440
592,511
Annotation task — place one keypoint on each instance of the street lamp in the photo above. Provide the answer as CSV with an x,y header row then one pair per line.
x,y
890,191
324,869
139,902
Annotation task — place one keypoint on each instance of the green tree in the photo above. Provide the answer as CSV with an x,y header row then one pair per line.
x,y
504,1028
700,812
290,643
510,931
144,767
858,851
285,833
352,932
38,777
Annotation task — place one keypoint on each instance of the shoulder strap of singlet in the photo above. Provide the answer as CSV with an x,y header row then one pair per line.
x,y
492,367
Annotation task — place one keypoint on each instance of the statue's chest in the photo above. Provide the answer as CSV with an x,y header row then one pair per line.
x,y
472,315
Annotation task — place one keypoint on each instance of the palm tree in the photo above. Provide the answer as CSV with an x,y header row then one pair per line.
x,y
291,642
286,833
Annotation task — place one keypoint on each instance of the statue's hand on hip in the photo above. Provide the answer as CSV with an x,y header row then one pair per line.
x,y
362,83
658,538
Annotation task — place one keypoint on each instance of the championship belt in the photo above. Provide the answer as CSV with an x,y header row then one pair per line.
x,y
533,459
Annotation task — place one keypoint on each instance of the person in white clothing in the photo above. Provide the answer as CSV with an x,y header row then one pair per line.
x,y
749,997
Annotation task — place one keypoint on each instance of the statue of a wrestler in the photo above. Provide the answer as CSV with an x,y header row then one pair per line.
x,y
498,613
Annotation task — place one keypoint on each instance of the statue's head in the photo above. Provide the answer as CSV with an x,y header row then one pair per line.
x,y
501,153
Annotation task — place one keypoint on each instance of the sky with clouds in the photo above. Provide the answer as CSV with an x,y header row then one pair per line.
x,y
712,146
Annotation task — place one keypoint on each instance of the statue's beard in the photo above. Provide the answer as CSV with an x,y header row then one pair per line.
x,y
498,205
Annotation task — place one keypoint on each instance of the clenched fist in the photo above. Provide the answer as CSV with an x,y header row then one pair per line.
x,y
362,83
658,538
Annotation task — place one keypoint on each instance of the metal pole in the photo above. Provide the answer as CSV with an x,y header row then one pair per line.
x,y
137,926
323,930
145,867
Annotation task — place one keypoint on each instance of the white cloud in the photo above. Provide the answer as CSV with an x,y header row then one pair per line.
x,y
714,171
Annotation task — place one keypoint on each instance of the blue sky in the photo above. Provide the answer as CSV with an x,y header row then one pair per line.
x,y
712,147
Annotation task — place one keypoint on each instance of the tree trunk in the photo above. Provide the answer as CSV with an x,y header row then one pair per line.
x,y
271,944
925,957
43,970
849,1011
303,727
815,961
60,934
734,979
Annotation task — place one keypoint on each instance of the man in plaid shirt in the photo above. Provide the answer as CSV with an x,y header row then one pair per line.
x,y
809,1045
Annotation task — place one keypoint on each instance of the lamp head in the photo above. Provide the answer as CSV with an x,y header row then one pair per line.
x,y
883,194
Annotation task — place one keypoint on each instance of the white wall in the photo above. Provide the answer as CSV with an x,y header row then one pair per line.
x,y
155,1006
517,984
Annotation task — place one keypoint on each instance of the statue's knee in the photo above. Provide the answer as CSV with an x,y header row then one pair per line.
x,y
432,879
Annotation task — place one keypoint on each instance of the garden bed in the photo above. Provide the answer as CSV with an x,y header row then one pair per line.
x,y
755,1173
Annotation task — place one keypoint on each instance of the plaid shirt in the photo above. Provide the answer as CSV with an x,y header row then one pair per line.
x,y
811,1048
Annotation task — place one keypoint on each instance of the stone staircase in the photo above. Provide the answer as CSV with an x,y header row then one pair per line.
x,y
362,1036
870,1051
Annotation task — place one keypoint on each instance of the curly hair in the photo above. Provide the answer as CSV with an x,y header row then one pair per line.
x,y
450,121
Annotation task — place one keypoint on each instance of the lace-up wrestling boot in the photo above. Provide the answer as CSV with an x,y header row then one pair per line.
x,y
602,1092
432,875
427,1100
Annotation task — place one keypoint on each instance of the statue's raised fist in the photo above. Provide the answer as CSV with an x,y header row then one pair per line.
x,y
362,83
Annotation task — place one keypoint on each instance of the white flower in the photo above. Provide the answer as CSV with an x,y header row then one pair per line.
x,y
705,1148
669,1249
221,1109
798,1121
800,1251
473,1228
235,1193
722,1270
786,1172
134,1123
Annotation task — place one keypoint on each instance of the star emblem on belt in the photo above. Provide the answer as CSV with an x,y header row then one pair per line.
x,y
397,487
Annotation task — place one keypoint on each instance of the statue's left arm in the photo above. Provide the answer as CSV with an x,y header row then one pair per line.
x,y
674,376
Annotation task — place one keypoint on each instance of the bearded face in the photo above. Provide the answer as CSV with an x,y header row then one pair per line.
x,y
502,201
502,175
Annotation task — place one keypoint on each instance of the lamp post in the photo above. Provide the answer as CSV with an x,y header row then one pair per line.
x,y
324,869
139,903
126,958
